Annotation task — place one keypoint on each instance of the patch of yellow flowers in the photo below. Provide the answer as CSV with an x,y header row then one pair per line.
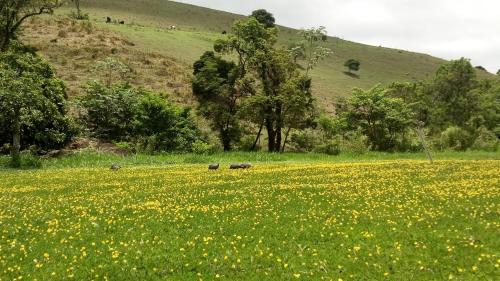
x,y
396,220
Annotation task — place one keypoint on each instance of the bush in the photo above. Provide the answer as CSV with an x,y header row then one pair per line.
x,y
303,141
331,147
486,140
454,138
246,143
27,161
354,142
202,148
62,34
121,113
79,16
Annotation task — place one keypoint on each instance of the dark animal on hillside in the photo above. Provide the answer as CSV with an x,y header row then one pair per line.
x,y
108,20
122,22
213,166
115,167
224,32
245,166
235,166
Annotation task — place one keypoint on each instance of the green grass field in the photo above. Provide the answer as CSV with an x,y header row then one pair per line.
x,y
290,217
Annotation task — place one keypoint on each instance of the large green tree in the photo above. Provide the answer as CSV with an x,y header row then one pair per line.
x,y
281,96
32,103
214,85
454,101
14,12
381,118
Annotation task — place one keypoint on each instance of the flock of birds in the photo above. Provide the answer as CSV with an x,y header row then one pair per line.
x,y
211,167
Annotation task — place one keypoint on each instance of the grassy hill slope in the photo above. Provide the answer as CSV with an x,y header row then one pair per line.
x,y
161,58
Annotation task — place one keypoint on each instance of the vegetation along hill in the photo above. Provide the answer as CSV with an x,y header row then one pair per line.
x,y
161,57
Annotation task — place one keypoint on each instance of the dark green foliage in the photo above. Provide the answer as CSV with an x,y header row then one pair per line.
x,y
122,113
453,100
455,138
14,12
110,112
485,140
488,113
330,147
276,95
303,140
383,119
214,85
33,103
454,105
264,17
352,65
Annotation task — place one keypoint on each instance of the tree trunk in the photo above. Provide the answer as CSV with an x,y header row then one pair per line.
x,y
279,128
226,140
254,146
16,141
286,139
4,40
78,11
271,136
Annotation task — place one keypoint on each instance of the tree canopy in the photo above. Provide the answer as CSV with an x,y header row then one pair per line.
x,y
264,17
214,85
32,103
352,65
14,12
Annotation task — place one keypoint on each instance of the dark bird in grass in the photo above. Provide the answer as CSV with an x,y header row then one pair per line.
x,y
235,166
245,166
214,166
115,167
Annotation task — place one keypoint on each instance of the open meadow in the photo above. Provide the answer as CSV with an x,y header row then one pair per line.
x,y
313,220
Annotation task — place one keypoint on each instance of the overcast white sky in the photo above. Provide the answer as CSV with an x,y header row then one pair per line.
x,y
448,29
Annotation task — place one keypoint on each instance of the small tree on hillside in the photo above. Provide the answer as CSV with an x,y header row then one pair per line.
x,y
498,72
14,12
79,14
352,65
112,68
264,17
310,49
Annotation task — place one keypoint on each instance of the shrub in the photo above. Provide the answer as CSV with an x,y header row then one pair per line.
x,y
331,147
454,138
246,143
486,140
121,113
303,141
201,147
27,161
354,142
62,34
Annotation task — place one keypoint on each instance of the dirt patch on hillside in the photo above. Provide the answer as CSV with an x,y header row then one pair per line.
x,y
74,47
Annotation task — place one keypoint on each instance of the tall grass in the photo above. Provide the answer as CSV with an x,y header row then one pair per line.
x,y
99,159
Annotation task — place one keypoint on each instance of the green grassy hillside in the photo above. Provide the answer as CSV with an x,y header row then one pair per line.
x,y
161,58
